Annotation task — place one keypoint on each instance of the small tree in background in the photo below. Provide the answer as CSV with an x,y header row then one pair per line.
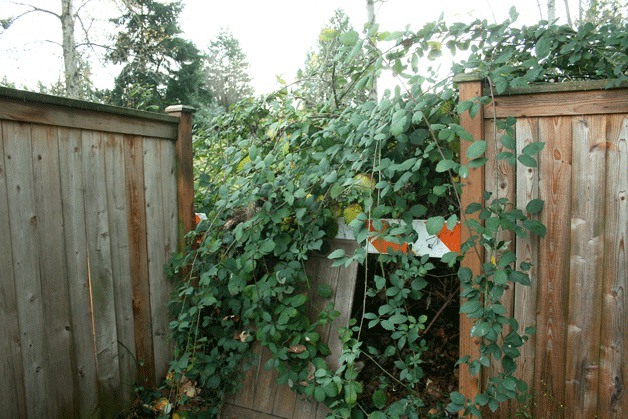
x,y
159,67
227,71
327,79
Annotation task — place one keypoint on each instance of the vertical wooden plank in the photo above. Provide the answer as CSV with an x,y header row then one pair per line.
x,y
342,282
169,246
77,270
115,179
138,256
525,305
586,265
303,407
500,181
555,190
24,236
100,272
265,385
285,400
246,395
12,382
48,205
154,177
473,190
613,402
185,174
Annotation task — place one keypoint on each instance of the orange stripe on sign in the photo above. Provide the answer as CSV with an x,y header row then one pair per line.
x,y
451,239
383,246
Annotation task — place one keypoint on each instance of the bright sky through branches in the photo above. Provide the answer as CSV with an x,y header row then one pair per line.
x,y
274,34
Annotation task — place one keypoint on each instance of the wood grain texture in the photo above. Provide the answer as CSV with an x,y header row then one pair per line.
x,y
77,269
12,383
265,385
500,181
230,411
138,256
473,190
586,265
160,285
56,300
612,400
64,116
100,272
24,238
560,103
184,172
555,190
527,249
115,179
160,288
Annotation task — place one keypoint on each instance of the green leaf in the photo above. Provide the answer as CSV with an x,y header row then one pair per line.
x,y
520,277
542,47
508,141
336,254
324,290
351,393
481,329
476,149
379,399
399,123
533,148
535,227
535,206
434,225
319,394
479,162
527,160
349,38
470,306
457,398
445,165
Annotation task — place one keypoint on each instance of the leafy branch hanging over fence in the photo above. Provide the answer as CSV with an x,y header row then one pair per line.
x,y
277,177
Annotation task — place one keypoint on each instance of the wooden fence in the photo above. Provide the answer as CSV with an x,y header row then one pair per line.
x,y
93,200
575,361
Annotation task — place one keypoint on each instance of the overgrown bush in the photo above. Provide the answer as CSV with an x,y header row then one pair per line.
x,y
274,178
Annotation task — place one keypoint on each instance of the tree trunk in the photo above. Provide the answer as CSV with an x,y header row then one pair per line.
x,y
69,50
569,21
551,10
370,17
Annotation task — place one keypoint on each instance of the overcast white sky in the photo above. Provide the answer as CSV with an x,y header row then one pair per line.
x,y
275,34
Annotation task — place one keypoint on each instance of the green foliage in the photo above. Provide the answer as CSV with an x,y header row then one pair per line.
x,y
331,70
274,193
159,67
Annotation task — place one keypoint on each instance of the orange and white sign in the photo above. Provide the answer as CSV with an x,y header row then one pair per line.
x,y
435,246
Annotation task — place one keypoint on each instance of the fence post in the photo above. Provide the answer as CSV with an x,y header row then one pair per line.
x,y
185,175
470,87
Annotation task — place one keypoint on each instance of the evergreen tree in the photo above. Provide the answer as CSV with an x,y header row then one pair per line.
x,y
159,67
227,70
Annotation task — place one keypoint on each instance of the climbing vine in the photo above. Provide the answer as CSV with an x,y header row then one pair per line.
x,y
274,179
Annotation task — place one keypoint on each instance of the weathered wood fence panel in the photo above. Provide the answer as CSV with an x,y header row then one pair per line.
x,y
90,200
261,396
575,362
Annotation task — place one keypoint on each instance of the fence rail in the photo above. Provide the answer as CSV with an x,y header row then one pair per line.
x,y
93,200
574,363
